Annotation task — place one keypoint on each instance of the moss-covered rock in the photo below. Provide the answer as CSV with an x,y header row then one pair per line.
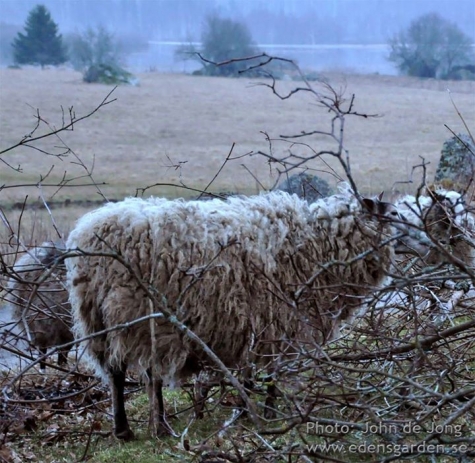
x,y
457,163
309,187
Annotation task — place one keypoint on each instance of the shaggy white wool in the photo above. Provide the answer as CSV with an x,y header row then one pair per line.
x,y
245,275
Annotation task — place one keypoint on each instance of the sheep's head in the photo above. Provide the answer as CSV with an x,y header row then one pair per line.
x,y
408,240
448,222
442,218
447,213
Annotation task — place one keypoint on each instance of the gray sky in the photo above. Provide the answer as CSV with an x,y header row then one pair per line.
x,y
270,21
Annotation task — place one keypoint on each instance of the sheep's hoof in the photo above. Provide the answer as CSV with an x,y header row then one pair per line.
x,y
125,435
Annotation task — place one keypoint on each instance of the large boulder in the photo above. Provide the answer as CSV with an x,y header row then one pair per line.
x,y
309,187
457,163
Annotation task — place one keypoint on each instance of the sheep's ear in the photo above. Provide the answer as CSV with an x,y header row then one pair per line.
x,y
371,204
376,206
437,194
380,196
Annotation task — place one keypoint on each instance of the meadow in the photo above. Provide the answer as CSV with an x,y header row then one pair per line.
x,y
179,129
176,132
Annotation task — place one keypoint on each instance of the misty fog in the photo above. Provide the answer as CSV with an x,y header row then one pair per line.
x,y
319,34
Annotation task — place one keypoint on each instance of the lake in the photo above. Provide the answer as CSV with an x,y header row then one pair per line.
x,y
363,59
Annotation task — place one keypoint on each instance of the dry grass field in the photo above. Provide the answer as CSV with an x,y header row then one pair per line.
x,y
171,120
179,129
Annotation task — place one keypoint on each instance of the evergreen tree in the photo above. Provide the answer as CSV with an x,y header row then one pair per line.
x,y
41,43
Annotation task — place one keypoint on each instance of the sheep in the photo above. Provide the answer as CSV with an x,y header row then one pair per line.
x,y
431,298
41,307
442,215
245,274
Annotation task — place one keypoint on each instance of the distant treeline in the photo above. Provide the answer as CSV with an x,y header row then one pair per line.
x,y
276,21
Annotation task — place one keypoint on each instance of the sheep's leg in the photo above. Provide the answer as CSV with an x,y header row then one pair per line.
x,y
271,395
42,362
269,410
203,384
201,394
117,386
157,421
249,387
63,357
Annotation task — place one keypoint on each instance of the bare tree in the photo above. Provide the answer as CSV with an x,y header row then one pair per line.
x,y
398,382
34,288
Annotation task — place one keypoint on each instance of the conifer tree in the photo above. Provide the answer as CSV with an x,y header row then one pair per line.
x,y
41,43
